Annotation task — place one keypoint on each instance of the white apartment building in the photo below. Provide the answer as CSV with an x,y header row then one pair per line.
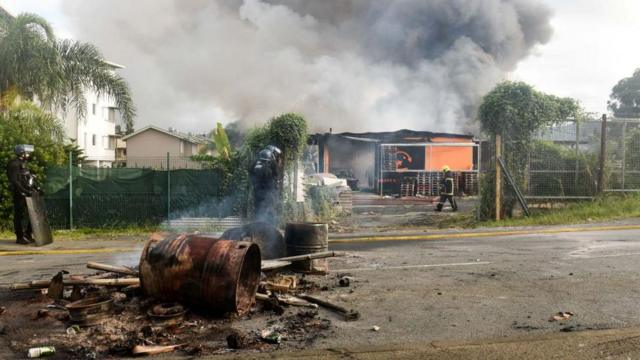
x,y
95,133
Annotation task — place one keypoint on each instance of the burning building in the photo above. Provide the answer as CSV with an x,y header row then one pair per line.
x,y
403,162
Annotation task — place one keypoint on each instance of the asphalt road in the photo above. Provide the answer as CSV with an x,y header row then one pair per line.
x,y
460,290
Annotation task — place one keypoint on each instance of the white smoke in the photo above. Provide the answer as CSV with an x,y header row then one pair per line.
x,y
353,65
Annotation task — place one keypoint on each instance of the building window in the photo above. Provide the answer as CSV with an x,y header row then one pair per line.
x,y
110,142
93,109
111,114
93,140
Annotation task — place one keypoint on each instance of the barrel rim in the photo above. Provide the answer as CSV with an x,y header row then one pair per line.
x,y
251,247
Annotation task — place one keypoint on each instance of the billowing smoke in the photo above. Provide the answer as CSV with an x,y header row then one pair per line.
x,y
353,65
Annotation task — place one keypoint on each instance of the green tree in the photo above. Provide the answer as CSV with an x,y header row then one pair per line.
x,y
77,154
222,142
625,97
26,123
289,133
516,111
36,65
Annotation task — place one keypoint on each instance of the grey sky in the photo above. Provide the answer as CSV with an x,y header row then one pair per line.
x,y
592,47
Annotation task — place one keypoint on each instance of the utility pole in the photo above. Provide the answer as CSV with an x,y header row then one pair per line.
x,y
603,154
498,177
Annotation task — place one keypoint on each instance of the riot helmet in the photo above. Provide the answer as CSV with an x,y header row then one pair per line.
x,y
23,150
266,155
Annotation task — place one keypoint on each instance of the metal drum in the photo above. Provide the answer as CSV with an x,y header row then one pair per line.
x,y
307,238
215,276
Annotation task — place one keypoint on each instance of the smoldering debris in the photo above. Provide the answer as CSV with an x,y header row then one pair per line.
x,y
108,314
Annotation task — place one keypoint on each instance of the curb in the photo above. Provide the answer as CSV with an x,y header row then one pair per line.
x,y
7,252
425,237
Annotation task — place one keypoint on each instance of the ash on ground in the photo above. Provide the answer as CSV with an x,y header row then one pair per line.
x,y
31,319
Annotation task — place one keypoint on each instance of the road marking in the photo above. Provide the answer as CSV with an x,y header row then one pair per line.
x,y
64,251
411,266
575,256
425,237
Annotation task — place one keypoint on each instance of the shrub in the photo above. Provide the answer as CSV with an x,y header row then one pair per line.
x,y
26,123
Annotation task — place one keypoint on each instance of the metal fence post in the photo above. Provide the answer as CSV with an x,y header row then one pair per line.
x,y
603,154
624,153
70,190
168,190
498,177
577,172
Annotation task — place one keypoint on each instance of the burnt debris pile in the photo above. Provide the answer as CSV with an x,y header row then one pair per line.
x,y
190,293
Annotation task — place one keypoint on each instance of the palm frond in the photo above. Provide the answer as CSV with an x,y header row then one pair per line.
x,y
57,72
28,59
84,64
34,23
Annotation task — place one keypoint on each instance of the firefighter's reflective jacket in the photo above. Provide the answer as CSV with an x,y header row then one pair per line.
x,y
447,184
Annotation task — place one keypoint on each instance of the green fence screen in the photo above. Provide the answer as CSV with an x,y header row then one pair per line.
x,y
118,197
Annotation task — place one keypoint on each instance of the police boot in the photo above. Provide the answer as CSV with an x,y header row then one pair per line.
x,y
22,241
438,207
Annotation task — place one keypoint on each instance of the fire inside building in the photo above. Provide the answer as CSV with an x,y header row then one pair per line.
x,y
404,162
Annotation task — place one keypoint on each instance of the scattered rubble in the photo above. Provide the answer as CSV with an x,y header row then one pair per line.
x,y
345,281
349,315
111,313
560,316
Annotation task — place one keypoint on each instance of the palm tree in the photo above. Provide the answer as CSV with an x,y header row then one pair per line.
x,y
36,65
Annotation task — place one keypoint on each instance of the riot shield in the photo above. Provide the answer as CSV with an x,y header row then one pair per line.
x,y
38,217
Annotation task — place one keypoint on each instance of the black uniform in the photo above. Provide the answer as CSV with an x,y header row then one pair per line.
x,y
447,192
19,184
265,181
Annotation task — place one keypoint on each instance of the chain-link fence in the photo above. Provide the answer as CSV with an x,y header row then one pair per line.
x,y
622,169
564,160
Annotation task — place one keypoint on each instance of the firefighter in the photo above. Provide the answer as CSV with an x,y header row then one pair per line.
x,y
446,190
265,178
21,186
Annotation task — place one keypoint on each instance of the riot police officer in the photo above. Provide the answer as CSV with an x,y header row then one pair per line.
x,y
446,190
265,178
21,186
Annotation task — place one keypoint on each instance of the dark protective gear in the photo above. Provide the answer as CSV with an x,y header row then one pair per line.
x,y
21,185
265,179
266,155
446,192
275,150
23,149
270,153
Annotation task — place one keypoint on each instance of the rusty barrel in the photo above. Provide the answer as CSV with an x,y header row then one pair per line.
x,y
215,276
306,238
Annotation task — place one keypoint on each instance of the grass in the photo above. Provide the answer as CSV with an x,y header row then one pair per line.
x,y
87,233
605,208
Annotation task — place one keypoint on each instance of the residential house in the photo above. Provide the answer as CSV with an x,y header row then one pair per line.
x,y
149,146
